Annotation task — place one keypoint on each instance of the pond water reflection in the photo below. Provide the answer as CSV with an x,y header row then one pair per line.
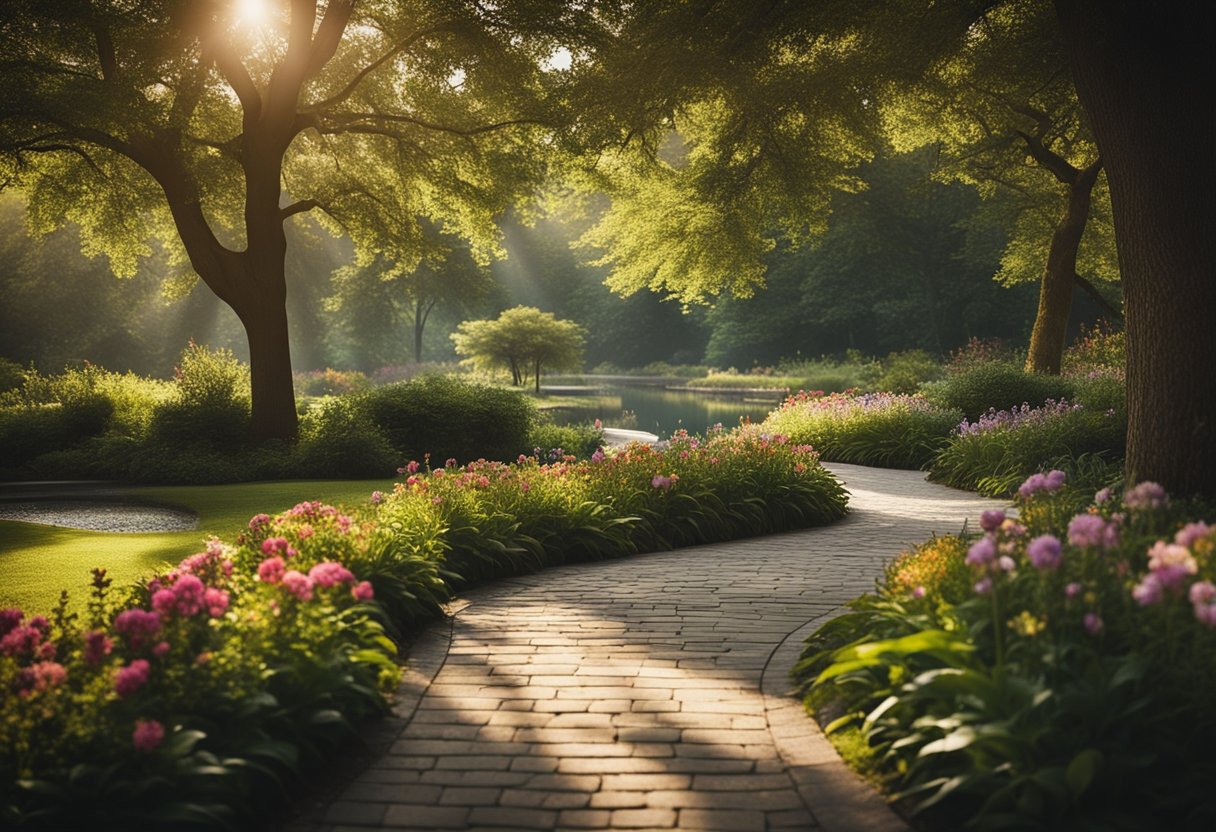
x,y
662,411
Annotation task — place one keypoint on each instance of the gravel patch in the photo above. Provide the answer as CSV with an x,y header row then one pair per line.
x,y
100,515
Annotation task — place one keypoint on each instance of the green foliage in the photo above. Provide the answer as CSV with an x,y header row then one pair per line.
x,y
992,456
199,699
1100,350
211,408
442,417
331,382
889,431
522,340
1060,692
339,439
580,441
904,372
996,386
12,375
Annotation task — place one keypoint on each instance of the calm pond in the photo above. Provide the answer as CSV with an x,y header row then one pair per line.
x,y
658,410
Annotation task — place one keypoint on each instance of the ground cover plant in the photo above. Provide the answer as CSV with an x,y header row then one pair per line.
x,y
1051,673
882,429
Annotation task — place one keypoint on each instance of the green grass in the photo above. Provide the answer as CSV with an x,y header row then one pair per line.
x,y
38,561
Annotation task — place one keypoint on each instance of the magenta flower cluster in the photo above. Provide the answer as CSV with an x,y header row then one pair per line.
x,y
1016,417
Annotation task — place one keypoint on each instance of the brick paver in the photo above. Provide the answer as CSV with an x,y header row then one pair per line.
x,y
644,693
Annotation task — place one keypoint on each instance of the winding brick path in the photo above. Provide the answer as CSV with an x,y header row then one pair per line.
x,y
645,693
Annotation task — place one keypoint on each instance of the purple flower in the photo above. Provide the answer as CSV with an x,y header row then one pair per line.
x,y
257,521
1203,599
1103,496
1088,531
1054,480
9,619
1149,591
982,552
1171,564
992,519
97,646
330,573
918,592
271,570
983,586
298,584
1044,552
598,456
660,482
1093,623
1146,496
1190,533
1006,563
1033,485
1072,590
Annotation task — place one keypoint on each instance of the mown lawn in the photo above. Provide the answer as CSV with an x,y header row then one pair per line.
x,y
37,561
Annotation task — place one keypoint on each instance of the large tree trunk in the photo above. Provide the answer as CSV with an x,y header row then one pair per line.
x,y
1141,73
271,382
1055,291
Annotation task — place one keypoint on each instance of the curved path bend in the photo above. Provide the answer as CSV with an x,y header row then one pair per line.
x,y
645,693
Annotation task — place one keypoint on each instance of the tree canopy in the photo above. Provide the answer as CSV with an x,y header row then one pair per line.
x,y
523,340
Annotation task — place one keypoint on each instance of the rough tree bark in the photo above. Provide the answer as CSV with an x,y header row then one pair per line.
x,y
1141,73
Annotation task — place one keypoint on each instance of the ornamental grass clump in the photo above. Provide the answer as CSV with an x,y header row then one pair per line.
x,y
884,429
189,701
999,449
1053,672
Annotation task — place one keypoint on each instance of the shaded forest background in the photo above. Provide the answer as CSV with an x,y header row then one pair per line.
x,y
907,263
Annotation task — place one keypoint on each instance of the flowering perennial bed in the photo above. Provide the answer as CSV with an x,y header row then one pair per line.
x,y
885,429
1054,673
189,700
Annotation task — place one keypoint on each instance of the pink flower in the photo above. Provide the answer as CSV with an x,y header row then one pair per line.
x,y
97,646
258,521
9,619
982,552
660,482
164,600
983,586
599,425
188,593
1072,590
1146,496
147,735
305,531
992,519
21,641
1044,552
598,455
330,573
1149,591
137,626
377,498
161,649
216,602
1087,531
1192,532
452,463
39,677
1006,563
1093,623
1203,600
129,679
918,592
1103,496
362,591
298,584
271,570
277,546
1171,563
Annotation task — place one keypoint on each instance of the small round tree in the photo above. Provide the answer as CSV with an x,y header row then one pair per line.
x,y
522,340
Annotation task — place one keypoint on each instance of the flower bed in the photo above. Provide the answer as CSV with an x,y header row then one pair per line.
x,y
884,429
1001,448
1054,673
191,699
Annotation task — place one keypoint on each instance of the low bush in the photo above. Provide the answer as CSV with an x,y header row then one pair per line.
x,y
211,406
331,382
12,375
904,372
196,699
548,440
1100,350
338,439
890,431
1052,674
995,385
996,452
444,417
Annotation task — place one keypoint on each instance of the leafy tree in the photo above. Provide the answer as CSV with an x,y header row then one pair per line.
x,y
1003,108
204,125
522,340
447,275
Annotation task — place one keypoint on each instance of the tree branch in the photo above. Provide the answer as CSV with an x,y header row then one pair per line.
x,y
1053,162
299,207
234,72
399,47
1092,290
105,50
359,123
329,35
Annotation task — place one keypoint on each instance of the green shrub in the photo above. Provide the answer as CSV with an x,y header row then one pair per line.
x,y
31,431
995,453
995,386
337,439
446,417
1102,392
882,429
581,441
12,375
211,406
1098,350
1069,687
331,382
905,372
